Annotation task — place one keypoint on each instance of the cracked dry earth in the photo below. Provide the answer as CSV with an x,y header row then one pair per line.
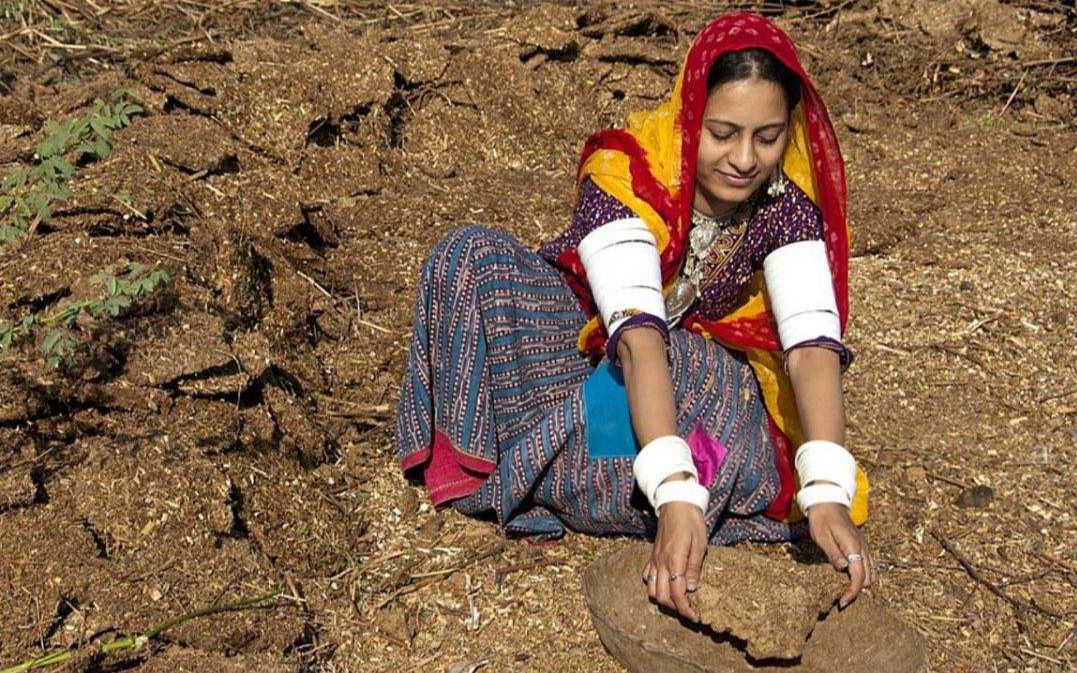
x,y
235,434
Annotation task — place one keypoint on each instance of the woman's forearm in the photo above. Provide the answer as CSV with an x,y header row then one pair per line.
x,y
642,353
816,377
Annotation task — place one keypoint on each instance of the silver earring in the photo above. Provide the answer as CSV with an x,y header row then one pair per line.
x,y
776,184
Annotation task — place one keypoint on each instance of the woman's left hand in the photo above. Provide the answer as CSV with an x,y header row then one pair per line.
x,y
834,532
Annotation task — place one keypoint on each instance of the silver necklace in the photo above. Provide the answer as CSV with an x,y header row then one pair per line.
x,y
701,237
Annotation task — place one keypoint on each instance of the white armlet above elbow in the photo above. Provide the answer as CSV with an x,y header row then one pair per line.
x,y
801,293
623,271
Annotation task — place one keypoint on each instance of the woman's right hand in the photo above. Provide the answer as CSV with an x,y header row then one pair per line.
x,y
677,557
681,542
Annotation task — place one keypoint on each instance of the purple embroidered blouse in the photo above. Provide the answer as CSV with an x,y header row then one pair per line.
x,y
776,222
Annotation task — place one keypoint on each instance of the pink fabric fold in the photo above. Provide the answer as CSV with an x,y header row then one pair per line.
x,y
708,454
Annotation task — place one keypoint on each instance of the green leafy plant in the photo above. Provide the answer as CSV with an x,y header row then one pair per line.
x,y
59,343
27,194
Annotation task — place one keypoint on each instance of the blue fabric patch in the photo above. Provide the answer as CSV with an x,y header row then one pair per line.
x,y
605,403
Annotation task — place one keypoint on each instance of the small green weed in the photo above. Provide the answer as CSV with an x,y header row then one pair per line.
x,y
27,194
139,641
59,342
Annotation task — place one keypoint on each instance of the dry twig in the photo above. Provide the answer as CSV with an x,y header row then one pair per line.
x,y
1013,94
953,482
975,574
493,550
503,571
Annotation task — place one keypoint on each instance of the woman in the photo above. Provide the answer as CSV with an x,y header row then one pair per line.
x,y
707,260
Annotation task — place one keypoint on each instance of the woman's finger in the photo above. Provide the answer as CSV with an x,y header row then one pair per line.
x,y
662,588
652,581
678,586
868,558
648,569
850,544
693,571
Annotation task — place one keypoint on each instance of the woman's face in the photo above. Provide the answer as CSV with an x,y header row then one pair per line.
x,y
745,129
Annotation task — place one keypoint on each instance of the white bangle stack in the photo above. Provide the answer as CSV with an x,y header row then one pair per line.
x,y
662,458
830,463
687,490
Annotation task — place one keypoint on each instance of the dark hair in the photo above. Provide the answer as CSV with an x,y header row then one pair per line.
x,y
734,66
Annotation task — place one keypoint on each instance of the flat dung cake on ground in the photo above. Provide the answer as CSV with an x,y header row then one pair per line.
x,y
770,604
643,638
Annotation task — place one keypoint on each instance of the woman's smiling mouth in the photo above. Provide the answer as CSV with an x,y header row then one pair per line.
x,y
736,180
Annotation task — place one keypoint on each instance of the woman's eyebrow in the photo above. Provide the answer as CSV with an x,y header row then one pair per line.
x,y
772,125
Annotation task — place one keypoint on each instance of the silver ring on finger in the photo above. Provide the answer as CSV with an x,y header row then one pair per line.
x,y
652,577
854,558
673,576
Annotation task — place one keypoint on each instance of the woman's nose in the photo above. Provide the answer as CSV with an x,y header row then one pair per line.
x,y
742,158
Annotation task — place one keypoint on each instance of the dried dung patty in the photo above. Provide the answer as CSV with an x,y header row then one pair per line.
x,y
771,605
644,639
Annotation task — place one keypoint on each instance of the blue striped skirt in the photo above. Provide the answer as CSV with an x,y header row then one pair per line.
x,y
493,411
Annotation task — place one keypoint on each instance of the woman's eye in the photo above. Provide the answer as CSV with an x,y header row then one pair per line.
x,y
767,141
723,137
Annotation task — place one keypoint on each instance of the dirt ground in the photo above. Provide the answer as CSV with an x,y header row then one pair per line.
x,y
295,162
